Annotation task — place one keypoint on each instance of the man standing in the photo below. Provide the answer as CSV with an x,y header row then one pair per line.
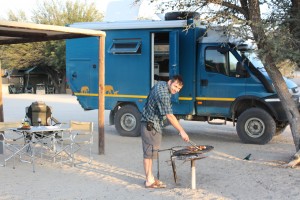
x,y
156,110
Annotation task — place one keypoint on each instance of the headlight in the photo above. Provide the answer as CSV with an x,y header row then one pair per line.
x,y
294,91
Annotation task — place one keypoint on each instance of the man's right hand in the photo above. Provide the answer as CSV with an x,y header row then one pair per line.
x,y
173,120
184,136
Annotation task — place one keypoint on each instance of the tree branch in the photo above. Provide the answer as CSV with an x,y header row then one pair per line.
x,y
231,6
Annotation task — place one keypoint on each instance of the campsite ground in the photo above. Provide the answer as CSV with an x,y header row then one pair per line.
x,y
118,174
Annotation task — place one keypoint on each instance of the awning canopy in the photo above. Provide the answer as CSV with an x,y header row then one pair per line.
x,y
19,32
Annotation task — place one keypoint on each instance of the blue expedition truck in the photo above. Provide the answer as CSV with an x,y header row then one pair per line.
x,y
221,79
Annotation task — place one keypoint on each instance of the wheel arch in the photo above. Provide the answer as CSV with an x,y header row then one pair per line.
x,y
245,102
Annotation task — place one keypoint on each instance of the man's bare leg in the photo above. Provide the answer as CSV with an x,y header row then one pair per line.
x,y
148,171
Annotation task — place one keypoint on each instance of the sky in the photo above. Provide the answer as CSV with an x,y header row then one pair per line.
x,y
29,5
118,9
113,10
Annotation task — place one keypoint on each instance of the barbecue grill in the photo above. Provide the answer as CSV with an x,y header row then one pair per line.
x,y
187,153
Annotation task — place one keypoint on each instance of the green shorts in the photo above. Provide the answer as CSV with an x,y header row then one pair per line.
x,y
151,141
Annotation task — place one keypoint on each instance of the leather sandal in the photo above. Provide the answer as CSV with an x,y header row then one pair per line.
x,y
156,184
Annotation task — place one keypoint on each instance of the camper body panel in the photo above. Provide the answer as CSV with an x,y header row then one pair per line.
x,y
82,69
129,77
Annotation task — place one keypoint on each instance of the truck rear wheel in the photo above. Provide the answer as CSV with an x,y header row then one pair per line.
x,y
127,121
255,126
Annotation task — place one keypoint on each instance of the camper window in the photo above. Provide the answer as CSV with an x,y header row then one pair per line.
x,y
126,46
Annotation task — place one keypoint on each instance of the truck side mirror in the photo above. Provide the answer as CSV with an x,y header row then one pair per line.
x,y
241,72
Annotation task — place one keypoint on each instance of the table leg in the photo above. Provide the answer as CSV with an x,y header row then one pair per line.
x,y
1,145
33,163
33,141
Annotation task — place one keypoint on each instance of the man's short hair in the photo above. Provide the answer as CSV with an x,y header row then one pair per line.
x,y
177,78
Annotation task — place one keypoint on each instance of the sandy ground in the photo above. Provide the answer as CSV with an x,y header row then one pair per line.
x,y
119,173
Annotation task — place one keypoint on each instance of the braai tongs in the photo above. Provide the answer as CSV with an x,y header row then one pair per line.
x,y
194,145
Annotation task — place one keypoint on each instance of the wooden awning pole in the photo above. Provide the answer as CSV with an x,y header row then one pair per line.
x,y
101,99
1,100
1,108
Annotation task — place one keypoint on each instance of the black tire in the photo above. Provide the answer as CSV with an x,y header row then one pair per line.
x,y
181,15
280,128
255,126
128,121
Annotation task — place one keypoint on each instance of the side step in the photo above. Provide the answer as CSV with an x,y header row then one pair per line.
x,y
210,121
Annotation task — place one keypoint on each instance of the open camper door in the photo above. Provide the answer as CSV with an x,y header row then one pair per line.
x,y
174,58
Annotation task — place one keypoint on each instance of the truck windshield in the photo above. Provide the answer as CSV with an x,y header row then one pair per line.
x,y
255,60
257,68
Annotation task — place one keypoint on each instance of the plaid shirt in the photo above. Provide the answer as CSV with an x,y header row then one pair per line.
x,y
158,105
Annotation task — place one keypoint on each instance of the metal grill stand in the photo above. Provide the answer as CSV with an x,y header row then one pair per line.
x,y
193,174
193,167
185,155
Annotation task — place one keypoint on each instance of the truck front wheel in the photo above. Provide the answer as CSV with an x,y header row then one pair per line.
x,y
255,126
127,121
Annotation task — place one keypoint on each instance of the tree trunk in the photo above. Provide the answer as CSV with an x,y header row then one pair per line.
x,y
294,27
288,104
57,79
285,97
295,22
63,85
